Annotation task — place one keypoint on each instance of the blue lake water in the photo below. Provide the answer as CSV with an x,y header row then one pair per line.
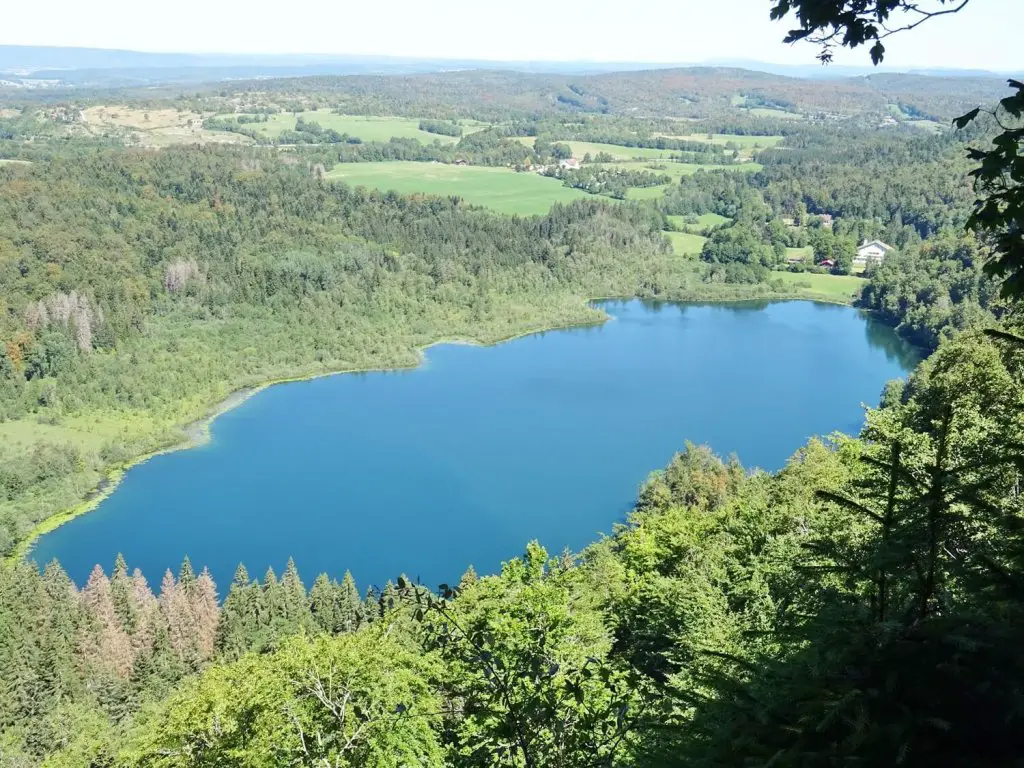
x,y
465,459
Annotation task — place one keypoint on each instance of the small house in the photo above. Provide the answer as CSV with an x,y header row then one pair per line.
x,y
826,220
569,164
871,252
827,263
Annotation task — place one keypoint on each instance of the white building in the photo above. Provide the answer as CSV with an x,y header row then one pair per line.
x,y
871,252
569,164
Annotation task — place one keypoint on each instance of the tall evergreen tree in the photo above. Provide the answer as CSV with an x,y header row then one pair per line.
x,y
206,614
323,602
350,607
240,616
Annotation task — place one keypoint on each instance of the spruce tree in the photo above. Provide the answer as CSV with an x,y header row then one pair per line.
x,y
206,614
239,618
186,576
350,607
121,594
271,599
295,602
324,604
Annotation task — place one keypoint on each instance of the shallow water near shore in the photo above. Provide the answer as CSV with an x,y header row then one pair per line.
x,y
481,449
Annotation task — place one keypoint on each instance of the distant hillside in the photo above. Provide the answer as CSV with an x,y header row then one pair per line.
x,y
690,92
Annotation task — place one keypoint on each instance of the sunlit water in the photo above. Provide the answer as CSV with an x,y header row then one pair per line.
x,y
465,459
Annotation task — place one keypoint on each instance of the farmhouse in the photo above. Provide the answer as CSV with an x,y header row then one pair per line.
x,y
871,252
569,164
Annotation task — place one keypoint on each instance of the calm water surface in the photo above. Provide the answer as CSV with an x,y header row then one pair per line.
x,y
481,449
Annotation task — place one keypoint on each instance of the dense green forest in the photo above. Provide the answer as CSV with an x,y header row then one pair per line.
x,y
860,606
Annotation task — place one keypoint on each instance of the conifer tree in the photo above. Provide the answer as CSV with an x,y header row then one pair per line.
x,y
350,607
106,646
324,606
271,599
294,600
177,612
186,576
206,614
59,636
121,594
239,617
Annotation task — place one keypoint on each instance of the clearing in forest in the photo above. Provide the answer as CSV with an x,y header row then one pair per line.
x,y
840,287
501,189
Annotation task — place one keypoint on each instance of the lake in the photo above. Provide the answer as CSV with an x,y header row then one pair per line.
x,y
481,449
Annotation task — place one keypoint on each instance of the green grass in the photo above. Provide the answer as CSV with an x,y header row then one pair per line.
x,y
841,287
581,148
365,128
501,189
704,222
806,252
685,243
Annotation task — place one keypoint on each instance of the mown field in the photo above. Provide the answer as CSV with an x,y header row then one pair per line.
x,y
704,222
363,127
686,243
835,286
500,189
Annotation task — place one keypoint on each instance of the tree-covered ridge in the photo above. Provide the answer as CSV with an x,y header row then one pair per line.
x,y
736,616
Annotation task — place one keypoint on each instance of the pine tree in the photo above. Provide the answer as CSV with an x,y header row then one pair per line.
x,y
177,612
350,607
271,599
206,614
295,602
59,636
324,604
121,594
186,576
106,646
240,616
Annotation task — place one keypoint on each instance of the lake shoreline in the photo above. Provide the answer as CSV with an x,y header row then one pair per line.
x,y
196,432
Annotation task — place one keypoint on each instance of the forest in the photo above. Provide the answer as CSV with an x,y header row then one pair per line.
x,y
858,607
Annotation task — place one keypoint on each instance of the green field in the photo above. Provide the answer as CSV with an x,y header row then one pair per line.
x,y
704,222
686,244
499,188
834,286
806,253
365,128
581,148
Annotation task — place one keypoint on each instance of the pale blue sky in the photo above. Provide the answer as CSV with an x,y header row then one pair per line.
x,y
986,34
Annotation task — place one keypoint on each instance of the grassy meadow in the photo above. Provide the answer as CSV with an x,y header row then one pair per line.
x,y
686,243
838,287
500,189
705,222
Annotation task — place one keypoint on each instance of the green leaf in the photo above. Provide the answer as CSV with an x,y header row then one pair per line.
x,y
962,121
